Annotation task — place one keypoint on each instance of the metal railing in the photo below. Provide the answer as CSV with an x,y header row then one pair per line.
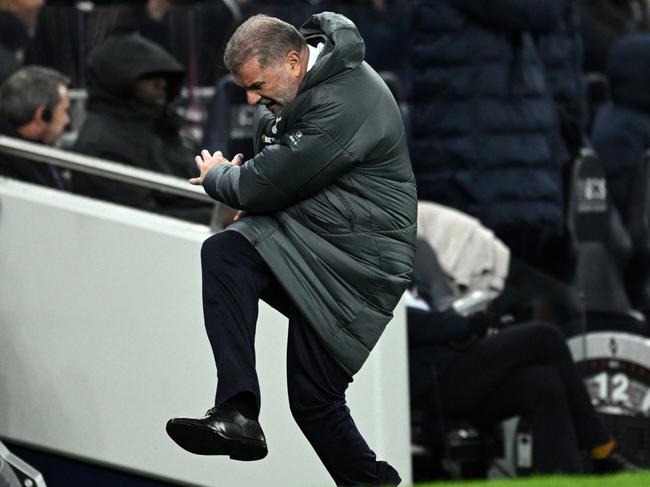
x,y
111,170
102,167
200,92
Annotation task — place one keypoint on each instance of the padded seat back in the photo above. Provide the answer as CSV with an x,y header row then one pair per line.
x,y
637,221
601,241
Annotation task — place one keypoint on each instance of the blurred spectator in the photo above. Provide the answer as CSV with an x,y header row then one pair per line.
x,y
524,370
621,132
132,83
606,21
152,26
194,32
562,54
13,40
384,25
472,259
485,128
34,104
621,135
58,40
17,23
215,22
292,11
26,10
460,371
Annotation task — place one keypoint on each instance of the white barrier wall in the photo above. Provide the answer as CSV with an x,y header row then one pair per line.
x,y
102,341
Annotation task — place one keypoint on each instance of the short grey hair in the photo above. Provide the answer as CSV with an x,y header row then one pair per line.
x,y
26,90
268,39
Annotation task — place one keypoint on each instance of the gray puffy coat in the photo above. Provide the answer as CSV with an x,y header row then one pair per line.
x,y
333,198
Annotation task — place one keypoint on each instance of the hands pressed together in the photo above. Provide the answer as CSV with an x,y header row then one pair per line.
x,y
206,161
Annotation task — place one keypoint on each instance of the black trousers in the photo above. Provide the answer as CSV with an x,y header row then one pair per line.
x,y
526,370
235,278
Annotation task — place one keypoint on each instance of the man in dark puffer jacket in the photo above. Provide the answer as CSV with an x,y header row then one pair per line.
x,y
621,132
329,239
562,54
485,129
621,135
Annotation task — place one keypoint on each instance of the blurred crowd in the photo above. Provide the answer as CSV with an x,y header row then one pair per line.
x,y
501,99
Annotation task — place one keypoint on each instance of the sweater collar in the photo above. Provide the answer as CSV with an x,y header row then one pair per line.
x,y
314,52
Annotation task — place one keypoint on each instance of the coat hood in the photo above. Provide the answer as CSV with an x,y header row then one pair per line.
x,y
344,48
629,72
114,66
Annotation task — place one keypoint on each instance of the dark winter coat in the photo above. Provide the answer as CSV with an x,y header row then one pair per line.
x,y
120,128
621,132
562,54
485,129
14,36
604,22
334,196
27,170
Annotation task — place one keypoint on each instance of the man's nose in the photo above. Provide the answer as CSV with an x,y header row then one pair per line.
x,y
253,98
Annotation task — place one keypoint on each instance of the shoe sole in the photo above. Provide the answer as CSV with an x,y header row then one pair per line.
x,y
205,441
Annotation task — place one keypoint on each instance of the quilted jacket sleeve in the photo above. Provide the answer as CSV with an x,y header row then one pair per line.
x,y
305,160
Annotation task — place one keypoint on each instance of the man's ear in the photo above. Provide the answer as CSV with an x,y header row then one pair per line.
x,y
293,60
42,115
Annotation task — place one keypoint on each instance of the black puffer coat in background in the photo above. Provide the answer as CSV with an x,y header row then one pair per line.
x,y
14,37
485,128
562,54
120,128
621,132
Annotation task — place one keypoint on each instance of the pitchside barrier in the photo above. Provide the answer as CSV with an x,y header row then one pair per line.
x,y
102,341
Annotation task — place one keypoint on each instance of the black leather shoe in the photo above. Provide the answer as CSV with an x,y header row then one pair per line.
x,y
223,431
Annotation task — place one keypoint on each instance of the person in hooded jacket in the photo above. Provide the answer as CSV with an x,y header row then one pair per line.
x,y
621,132
621,136
485,128
326,235
526,370
132,83
605,22
562,54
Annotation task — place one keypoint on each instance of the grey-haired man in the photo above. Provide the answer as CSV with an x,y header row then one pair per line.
x,y
326,235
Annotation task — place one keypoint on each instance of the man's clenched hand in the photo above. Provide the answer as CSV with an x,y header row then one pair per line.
x,y
205,162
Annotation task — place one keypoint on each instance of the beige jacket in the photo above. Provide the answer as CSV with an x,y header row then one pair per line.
x,y
469,253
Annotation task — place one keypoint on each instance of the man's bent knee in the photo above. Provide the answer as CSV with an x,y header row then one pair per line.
x,y
219,243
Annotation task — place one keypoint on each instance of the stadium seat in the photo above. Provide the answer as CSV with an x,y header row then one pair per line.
x,y
637,222
598,93
603,248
